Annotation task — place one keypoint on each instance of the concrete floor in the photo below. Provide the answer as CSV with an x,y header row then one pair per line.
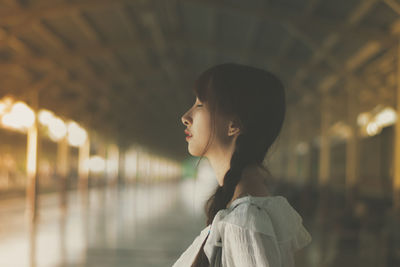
x,y
152,225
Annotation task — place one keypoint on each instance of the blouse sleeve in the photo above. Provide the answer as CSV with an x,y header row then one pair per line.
x,y
244,247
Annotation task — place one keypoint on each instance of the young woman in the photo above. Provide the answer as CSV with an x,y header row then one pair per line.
x,y
237,116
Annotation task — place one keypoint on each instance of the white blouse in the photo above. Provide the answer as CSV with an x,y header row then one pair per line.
x,y
252,231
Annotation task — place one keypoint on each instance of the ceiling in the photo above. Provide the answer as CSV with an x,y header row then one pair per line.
x,y
126,68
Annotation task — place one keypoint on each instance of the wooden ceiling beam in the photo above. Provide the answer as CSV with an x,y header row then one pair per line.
x,y
350,28
101,49
269,14
323,51
362,55
268,18
85,26
306,19
126,19
395,6
289,41
21,19
24,16
276,14
333,38
174,19
26,57
167,14
64,59
90,75
74,8
159,42
49,36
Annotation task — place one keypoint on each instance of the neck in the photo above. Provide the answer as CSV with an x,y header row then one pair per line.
x,y
251,183
219,160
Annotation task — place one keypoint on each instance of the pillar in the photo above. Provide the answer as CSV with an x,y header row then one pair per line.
x,y
396,156
32,161
62,171
352,146
324,170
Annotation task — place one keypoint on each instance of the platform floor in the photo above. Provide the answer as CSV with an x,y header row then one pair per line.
x,y
152,225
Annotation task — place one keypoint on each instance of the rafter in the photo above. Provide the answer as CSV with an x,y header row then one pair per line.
x,y
175,21
320,52
168,68
26,57
393,5
21,17
49,36
323,52
275,14
79,62
126,19
85,26
75,59
287,43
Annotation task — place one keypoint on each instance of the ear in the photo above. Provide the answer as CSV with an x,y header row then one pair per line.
x,y
233,128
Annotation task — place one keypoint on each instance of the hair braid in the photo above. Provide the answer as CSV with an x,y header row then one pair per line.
x,y
240,159
224,193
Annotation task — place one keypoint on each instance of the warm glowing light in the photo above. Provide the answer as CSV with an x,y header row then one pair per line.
x,y
372,122
96,164
131,158
5,104
139,164
302,148
31,151
57,129
342,130
373,128
45,117
2,108
386,117
83,159
76,134
112,162
363,118
20,117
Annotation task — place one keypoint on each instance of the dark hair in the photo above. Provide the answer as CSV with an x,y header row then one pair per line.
x,y
256,98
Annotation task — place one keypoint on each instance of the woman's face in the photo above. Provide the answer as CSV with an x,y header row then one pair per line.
x,y
198,123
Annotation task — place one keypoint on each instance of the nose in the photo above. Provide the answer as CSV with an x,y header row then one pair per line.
x,y
185,120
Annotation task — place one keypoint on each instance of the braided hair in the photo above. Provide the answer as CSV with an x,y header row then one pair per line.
x,y
256,98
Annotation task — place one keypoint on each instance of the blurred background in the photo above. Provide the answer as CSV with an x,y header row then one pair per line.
x,y
94,167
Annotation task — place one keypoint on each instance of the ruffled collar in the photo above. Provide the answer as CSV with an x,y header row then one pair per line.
x,y
251,199
287,223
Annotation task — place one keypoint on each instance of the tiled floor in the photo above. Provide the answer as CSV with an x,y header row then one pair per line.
x,y
152,225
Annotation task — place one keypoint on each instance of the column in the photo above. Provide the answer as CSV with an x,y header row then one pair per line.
x,y
352,157
324,167
396,156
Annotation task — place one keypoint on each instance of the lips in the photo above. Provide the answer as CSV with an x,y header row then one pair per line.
x,y
188,133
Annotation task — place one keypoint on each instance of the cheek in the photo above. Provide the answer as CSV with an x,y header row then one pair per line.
x,y
201,131
201,122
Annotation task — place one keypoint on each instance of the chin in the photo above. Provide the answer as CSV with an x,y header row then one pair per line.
x,y
195,150
194,153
